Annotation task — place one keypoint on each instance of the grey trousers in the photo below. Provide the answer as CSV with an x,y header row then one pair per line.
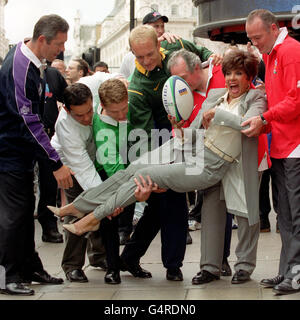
x,y
118,190
213,220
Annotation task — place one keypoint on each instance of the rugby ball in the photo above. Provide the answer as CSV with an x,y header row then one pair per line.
x,y
178,98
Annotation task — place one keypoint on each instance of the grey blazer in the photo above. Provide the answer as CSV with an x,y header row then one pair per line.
x,y
256,99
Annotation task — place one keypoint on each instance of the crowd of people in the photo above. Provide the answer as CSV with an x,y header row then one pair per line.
x,y
103,141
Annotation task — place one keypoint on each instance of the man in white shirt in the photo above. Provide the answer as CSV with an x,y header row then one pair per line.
x,y
74,142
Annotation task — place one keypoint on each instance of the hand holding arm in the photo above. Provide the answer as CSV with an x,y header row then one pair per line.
x,y
255,127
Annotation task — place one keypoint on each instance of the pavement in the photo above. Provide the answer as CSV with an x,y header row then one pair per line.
x,y
158,288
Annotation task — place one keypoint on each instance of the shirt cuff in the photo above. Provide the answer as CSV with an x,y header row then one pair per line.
x,y
55,165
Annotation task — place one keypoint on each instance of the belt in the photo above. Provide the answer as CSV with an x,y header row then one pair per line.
x,y
217,151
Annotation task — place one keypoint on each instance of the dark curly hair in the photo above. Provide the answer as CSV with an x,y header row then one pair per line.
x,y
240,60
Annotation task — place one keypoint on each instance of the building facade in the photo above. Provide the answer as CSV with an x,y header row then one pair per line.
x,y
3,40
113,42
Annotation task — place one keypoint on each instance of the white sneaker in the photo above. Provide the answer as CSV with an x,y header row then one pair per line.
x,y
194,225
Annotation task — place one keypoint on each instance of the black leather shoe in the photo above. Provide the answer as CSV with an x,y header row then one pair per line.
x,y
204,277
272,282
76,275
287,287
226,270
189,239
174,274
112,277
124,237
240,276
45,278
14,288
52,236
136,270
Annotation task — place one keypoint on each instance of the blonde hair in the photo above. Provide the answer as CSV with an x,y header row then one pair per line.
x,y
112,91
142,33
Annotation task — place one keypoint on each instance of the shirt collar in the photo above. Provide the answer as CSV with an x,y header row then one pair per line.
x,y
109,120
34,59
210,66
282,35
31,56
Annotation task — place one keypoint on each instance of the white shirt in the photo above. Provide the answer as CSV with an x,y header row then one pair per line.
x,y
128,64
75,145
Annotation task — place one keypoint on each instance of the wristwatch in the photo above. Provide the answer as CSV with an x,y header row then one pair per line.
x,y
264,121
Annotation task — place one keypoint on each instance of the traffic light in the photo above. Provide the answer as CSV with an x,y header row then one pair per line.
x,y
91,56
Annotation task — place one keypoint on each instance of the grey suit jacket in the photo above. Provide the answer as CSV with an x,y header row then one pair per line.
x,y
253,104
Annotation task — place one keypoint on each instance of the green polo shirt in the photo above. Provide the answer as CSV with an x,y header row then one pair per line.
x,y
111,143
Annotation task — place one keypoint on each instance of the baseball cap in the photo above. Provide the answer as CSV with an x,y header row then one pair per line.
x,y
154,16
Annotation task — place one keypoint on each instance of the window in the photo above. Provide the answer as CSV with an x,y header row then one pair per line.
x,y
174,10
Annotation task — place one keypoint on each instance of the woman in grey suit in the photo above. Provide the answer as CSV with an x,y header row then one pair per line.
x,y
195,161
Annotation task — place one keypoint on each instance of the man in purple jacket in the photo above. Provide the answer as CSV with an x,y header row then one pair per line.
x,y
23,140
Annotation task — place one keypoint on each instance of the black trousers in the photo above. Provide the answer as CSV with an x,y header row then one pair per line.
x,y
77,246
168,212
125,220
110,237
286,179
17,247
48,194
